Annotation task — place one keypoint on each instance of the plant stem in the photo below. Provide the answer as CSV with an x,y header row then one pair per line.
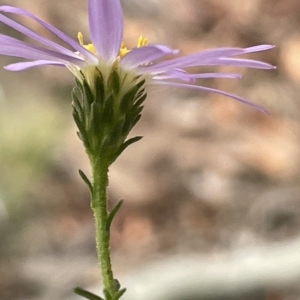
x,y
99,207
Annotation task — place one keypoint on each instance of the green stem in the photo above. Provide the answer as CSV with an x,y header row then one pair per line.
x,y
99,207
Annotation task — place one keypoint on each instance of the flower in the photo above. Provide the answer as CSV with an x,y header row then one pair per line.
x,y
107,52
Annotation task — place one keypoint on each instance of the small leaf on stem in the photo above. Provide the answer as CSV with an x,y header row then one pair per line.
x,y
119,294
107,295
112,214
88,295
86,180
129,142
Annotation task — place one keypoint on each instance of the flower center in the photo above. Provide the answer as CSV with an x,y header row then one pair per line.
x,y
142,41
109,73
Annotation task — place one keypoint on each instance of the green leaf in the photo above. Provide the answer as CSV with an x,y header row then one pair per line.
x,y
79,85
128,99
77,119
78,122
129,142
88,95
112,214
108,110
82,131
99,86
119,294
140,93
95,122
138,109
131,119
141,83
86,180
107,295
79,135
76,103
115,134
88,295
136,120
140,100
114,82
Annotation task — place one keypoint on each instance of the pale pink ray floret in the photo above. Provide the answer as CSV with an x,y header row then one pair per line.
x,y
105,53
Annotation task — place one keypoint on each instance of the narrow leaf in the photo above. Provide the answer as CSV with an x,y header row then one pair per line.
x,y
129,142
128,99
135,121
107,116
95,121
78,122
79,85
79,135
88,95
88,295
141,83
77,104
119,294
107,295
82,131
76,117
114,82
140,100
112,214
99,86
86,180
115,135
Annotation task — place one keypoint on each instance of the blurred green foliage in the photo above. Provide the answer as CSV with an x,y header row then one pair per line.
x,y
30,131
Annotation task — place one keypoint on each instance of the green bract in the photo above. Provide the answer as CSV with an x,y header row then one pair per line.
x,y
105,114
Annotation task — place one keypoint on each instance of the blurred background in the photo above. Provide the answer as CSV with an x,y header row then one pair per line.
x,y
212,179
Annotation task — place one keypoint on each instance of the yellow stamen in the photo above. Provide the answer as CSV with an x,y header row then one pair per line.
x,y
123,49
89,47
142,42
80,38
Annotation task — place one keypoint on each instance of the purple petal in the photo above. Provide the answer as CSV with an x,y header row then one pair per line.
x,y
175,74
18,11
14,47
35,36
106,27
202,88
26,65
207,57
239,62
144,55
217,75
191,60
187,77
258,48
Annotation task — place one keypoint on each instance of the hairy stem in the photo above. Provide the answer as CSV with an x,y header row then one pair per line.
x,y
99,207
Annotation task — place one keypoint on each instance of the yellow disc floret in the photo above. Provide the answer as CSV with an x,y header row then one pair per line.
x,y
142,42
89,47
123,49
103,69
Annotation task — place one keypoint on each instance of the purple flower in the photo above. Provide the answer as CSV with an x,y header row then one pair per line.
x,y
107,52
